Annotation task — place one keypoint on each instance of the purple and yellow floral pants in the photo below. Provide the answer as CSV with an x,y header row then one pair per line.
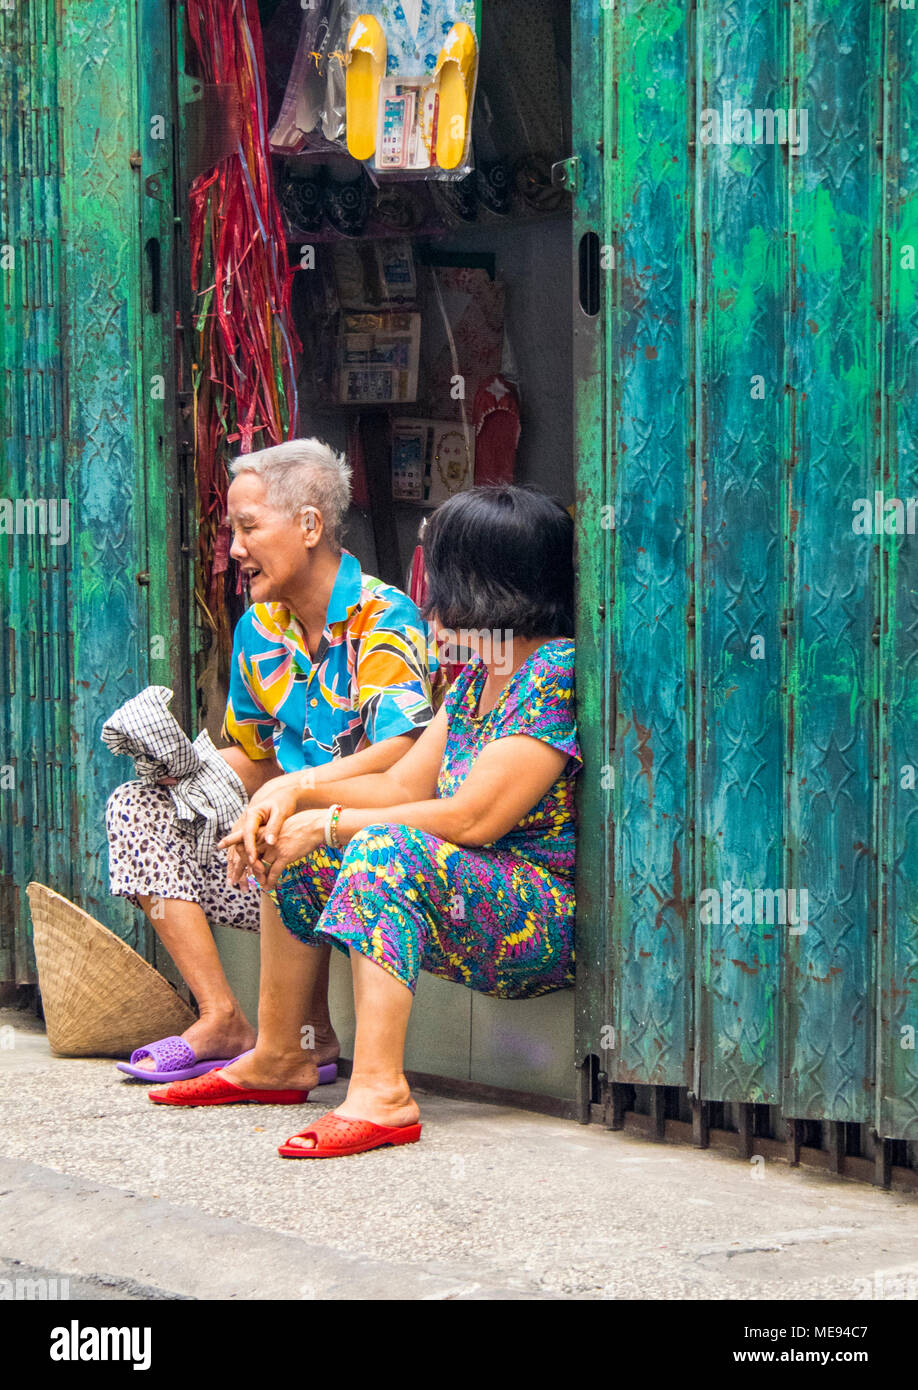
x,y
410,902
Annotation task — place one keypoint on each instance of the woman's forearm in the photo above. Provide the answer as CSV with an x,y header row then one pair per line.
x,y
376,757
253,773
363,772
508,778
374,789
449,818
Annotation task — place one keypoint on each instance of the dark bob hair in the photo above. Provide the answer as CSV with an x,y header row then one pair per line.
x,y
501,557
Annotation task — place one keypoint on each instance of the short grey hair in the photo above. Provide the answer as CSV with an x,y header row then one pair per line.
x,y
303,473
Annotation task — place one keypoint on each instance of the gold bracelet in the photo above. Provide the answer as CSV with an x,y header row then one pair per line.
x,y
333,827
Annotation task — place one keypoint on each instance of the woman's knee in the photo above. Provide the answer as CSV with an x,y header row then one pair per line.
x,y
138,816
385,840
130,795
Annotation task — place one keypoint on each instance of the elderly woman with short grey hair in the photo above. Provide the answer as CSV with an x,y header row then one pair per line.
x,y
330,676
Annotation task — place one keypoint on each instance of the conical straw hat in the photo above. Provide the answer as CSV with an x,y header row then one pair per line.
x,y
100,998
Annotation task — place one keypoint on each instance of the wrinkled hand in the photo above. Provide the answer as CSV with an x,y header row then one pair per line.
x,y
237,863
260,824
299,835
277,789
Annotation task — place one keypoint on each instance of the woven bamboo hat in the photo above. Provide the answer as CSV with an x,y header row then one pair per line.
x,y
100,998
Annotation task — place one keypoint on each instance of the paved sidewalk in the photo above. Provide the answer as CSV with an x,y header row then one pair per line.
x,y
131,1201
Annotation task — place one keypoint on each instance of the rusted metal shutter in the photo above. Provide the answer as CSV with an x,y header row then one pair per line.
x,y
88,424
746,655
35,765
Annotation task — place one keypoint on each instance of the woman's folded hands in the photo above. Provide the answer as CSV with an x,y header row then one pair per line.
x,y
271,833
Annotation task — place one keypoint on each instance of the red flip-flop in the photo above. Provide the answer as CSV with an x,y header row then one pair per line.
x,y
214,1089
336,1136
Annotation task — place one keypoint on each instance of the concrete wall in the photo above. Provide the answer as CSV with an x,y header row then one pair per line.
x,y
519,1045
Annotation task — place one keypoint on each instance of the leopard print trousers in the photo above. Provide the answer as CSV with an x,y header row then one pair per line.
x,y
151,853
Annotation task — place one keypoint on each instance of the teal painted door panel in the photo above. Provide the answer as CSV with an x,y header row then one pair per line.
x,y
832,448
592,385
35,812
898,648
749,880
651,931
88,423
739,369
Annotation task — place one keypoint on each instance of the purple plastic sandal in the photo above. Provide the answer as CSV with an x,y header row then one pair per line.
x,y
174,1061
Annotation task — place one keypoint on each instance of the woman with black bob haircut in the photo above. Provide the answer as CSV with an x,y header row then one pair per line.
x,y
459,860
501,558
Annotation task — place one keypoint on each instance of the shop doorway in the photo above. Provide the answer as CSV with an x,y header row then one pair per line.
x,y
434,319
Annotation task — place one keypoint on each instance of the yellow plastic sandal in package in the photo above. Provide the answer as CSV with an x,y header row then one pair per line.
x,y
366,67
455,74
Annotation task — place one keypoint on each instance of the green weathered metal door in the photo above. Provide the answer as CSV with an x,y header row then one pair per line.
x,y
748,622
88,583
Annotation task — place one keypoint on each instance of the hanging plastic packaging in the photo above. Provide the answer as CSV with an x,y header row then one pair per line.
x,y
312,116
392,84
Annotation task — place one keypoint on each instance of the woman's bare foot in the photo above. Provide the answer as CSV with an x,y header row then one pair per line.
x,y
261,1070
381,1103
217,1033
325,1045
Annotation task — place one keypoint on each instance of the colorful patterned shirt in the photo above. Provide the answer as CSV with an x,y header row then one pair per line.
x,y
538,702
371,679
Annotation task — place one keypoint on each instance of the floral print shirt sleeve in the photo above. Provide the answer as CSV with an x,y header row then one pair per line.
x,y
248,722
395,660
542,704
538,702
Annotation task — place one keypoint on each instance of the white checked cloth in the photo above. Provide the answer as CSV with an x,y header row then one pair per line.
x,y
208,793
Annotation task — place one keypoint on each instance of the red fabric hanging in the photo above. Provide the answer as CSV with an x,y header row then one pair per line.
x,y
245,343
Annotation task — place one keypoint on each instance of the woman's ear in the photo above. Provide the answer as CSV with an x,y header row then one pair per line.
x,y
312,526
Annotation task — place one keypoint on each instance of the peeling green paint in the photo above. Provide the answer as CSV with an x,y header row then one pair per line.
x,y
747,263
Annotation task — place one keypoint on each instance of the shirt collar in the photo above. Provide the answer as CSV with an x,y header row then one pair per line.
x,y
345,594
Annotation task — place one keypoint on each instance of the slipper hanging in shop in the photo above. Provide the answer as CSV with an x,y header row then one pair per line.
x,y
493,185
366,66
336,1136
532,181
347,203
457,199
496,414
174,1060
302,202
455,76
397,207
214,1089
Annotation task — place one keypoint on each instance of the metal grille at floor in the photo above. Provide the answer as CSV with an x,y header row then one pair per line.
x,y
755,1134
